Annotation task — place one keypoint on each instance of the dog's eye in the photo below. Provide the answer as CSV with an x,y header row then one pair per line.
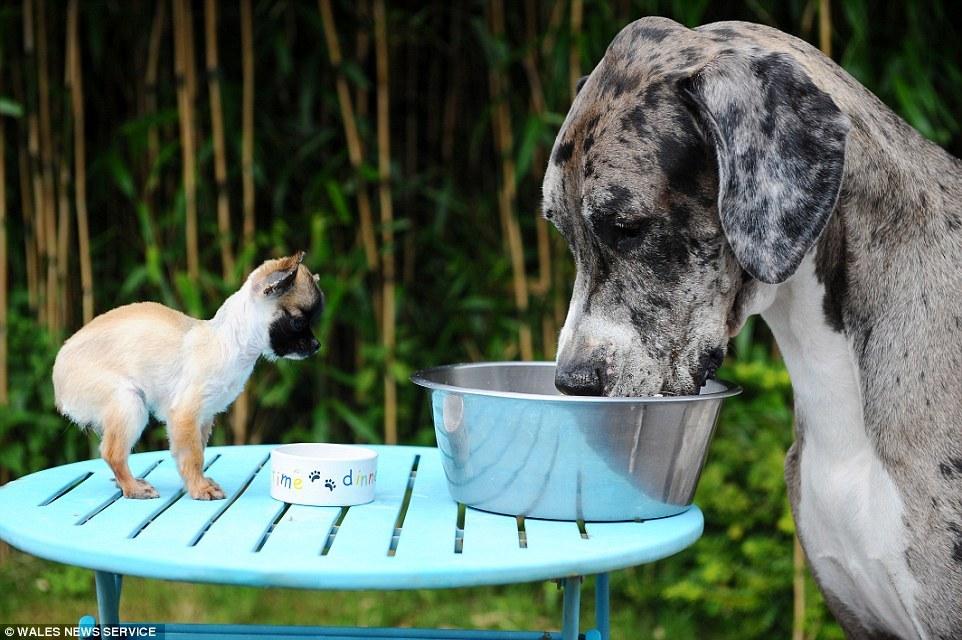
x,y
624,234
633,228
298,323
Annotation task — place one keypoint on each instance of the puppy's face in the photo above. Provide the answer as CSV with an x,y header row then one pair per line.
x,y
690,163
297,302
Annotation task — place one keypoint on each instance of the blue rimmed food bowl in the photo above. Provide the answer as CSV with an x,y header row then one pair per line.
x,y
511,443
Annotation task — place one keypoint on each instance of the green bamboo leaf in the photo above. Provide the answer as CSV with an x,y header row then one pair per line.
x,y
9,107
336,195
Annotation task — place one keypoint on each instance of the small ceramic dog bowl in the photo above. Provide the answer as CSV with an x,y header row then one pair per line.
x,y
320,474
511,443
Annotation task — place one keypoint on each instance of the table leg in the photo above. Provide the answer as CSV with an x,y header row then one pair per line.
x,y
602,606
108,596
571,625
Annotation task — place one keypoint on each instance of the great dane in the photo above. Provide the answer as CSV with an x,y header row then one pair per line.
x,y
705,175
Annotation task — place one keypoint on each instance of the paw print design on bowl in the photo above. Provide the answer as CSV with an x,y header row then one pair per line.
x,y
314,475
330,484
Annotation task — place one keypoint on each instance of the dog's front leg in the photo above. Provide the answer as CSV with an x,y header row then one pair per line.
x,y
187,440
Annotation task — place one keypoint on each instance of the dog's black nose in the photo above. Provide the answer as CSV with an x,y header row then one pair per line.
x,y
315,345
579,380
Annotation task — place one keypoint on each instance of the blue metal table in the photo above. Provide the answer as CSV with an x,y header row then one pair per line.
x,y
412,536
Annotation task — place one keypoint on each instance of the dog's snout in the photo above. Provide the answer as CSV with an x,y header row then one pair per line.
x,y
582,379
315,345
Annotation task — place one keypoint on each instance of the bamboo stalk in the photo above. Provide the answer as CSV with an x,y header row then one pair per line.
x,y
247,122
355,148
543,284
80,164
540,286
431,137
4,383
574,59
190,68
26,196
506,195
150,80
63,162
241,411
362,48
807,18
388,316
409,255
190,73
153,239
34,162
365,232
47,169
63,231
29,235
183,32
452,100
825,27
798,588
529,59
217,132
554,28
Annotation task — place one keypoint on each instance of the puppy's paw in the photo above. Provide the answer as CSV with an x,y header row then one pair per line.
x,y
140,490
207,490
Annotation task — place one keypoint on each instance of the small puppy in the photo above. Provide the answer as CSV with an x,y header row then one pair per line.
x,y
145,358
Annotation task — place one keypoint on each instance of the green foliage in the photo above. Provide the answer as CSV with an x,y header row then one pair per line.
x,y
454,296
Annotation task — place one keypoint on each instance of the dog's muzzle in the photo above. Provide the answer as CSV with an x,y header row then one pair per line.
x,y
579,379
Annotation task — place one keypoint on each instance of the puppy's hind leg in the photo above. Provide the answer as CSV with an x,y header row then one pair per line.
x,y
123,422
187,440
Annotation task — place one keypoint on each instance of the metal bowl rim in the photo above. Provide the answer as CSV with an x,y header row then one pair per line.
x,y
420,378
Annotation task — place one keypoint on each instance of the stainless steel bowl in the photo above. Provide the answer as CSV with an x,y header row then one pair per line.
x,y
511,443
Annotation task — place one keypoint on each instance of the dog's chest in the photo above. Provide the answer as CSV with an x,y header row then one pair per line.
x,y
225,385
849,514
849,511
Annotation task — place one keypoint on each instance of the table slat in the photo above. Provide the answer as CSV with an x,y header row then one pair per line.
x,y
367,529
488,535
431,520
303,529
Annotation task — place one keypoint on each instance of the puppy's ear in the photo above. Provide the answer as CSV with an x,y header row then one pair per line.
x,y
780,146
282,276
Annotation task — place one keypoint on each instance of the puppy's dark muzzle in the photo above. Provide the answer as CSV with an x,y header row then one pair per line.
x,y
579,380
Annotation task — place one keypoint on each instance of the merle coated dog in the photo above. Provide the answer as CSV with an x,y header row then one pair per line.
x,y
705,175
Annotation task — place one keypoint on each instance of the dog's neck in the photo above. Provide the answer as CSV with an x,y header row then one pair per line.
x,y
820,360
241,326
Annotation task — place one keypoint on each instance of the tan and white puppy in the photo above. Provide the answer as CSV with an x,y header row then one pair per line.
x,y
144,358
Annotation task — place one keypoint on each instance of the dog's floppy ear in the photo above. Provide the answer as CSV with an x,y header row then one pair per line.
x,y
282,276
780,146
